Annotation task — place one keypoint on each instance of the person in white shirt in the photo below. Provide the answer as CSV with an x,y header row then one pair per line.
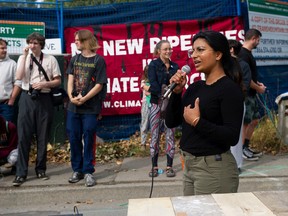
x,y
35,105
9,86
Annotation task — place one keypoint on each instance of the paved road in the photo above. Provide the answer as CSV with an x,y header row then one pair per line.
x,y
116,184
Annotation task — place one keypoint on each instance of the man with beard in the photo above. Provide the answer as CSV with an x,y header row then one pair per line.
x,y
252,115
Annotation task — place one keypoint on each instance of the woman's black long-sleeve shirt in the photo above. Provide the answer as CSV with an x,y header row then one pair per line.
x,y
221,112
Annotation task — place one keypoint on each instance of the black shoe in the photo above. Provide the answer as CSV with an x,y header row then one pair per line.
x,y
239,170
42,176
19,180
76,177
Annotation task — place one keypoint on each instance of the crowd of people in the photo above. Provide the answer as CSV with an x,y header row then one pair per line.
x,y
217,115
86,88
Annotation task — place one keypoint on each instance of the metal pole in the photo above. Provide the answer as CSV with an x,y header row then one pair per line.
x,y
62,25
238,4
60,22
58,18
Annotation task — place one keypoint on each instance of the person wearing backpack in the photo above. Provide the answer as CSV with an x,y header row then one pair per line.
x,y
86,89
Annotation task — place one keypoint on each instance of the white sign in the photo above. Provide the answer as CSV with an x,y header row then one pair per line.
x,y
53,46
272,21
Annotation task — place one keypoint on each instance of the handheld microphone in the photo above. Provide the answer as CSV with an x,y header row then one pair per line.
x,y
170,88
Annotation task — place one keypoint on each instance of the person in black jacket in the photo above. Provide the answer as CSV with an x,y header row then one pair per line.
x,y
235,47
160,71
211,115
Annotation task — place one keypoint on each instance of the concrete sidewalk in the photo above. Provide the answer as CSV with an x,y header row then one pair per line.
x,y
116,183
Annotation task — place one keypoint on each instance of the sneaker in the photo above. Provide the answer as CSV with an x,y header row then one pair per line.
x,y
153,173
76,177
170,172
89,180
19,180
255,153
42,176
247,155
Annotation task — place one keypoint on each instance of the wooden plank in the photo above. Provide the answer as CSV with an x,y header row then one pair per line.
x,y
240,204
150,207
276,201
203,205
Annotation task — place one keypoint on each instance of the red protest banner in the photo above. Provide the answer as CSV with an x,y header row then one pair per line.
x,y
127,48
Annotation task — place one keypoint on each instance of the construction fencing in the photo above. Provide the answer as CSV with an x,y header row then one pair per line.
x,y
53,17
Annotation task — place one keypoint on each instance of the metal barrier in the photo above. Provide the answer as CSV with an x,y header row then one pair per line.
x,y
60,14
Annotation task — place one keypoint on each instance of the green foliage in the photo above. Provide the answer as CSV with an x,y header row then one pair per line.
x,y
78,3
66,3
112,151
178,133
266,137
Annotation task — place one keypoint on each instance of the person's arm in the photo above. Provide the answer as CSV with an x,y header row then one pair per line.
x,y
246,74
15,92
146,88
21,64
16,88
259,87
70,87
70,82
94,91
155,87
48,84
